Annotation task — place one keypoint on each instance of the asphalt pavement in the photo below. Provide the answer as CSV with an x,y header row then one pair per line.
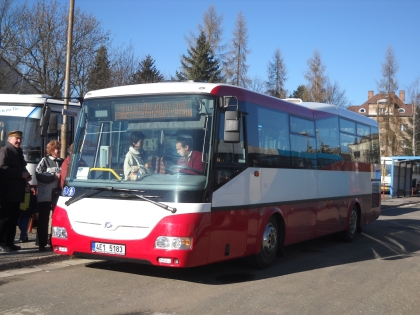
x,y
30,256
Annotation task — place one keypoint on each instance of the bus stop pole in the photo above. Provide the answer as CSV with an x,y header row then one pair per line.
x,y
67,80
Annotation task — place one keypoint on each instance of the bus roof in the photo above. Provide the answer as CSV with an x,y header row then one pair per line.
x,y
306,109
328,108
31,99
155,88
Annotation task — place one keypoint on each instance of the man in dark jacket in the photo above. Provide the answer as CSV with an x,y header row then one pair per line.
x,y
3,217
14,176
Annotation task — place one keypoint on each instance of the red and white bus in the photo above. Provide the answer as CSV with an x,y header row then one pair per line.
x,y
275,173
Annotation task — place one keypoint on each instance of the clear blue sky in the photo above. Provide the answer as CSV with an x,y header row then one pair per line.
x,y
351,35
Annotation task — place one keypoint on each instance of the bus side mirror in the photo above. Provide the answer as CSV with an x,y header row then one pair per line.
x,y
231,133
225,101
52,126
44,121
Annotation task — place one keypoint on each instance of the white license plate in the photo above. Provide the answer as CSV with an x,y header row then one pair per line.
x,y
105,248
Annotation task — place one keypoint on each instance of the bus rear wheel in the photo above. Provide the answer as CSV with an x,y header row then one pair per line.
x,y
350,233
269,246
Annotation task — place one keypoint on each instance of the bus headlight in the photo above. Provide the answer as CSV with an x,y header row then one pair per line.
x,y
59,232
169,242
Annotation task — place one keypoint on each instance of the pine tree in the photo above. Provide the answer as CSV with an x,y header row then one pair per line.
x,y
100,73
301,93
147,72
200,64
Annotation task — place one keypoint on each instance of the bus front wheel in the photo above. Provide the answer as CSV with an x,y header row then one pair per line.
x,y
269,246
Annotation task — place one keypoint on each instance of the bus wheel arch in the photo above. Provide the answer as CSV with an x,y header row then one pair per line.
x,y
353,223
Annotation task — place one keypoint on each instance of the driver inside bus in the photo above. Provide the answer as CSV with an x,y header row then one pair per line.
x,y
134,163
190,161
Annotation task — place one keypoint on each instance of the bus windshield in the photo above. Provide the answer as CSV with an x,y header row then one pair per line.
x,y
144,142
25,119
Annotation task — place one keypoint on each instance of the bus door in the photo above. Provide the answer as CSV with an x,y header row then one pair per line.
x,y
229,220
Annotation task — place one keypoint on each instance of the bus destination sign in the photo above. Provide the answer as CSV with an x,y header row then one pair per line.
x,y
155,110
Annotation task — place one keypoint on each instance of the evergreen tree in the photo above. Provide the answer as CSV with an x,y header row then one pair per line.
x,y
147,72
301,93
100,73
200,64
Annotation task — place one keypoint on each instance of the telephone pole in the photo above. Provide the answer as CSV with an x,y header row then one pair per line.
x,y
64,125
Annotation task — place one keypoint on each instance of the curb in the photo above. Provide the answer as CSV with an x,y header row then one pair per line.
x,y
33,261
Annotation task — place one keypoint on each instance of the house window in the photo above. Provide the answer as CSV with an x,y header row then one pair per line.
x,y
402,144
401,110
404,127
362,110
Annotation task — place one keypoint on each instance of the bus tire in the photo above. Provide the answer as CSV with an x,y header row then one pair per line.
x,y
270,242
349,234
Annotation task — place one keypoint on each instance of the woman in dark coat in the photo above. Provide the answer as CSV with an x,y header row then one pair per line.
x,y
48,176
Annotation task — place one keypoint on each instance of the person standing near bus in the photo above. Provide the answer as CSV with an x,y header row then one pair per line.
x,y
3,217
48,176
189,158
14,177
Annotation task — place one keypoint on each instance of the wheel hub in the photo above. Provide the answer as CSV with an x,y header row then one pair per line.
x,y
269,241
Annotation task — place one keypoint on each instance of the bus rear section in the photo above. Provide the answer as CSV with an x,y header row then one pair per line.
x,y
221,173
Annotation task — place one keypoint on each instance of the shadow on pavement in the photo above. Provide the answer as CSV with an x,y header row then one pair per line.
x,y
386,239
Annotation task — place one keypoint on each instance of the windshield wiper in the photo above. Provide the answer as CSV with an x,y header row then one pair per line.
x,y
126,193
96,190
146,198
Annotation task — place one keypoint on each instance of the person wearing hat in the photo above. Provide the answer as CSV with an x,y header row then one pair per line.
x,y
13,179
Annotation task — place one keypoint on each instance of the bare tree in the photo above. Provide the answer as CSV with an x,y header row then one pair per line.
x,y
43,45
335,95
43,42
213,30
389,121
88,36
413,93
257,84
276,76
389,83
235,67
316,86
11,24
124,64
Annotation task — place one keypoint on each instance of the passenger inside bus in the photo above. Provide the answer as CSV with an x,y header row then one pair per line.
x,y
190,161
134,163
